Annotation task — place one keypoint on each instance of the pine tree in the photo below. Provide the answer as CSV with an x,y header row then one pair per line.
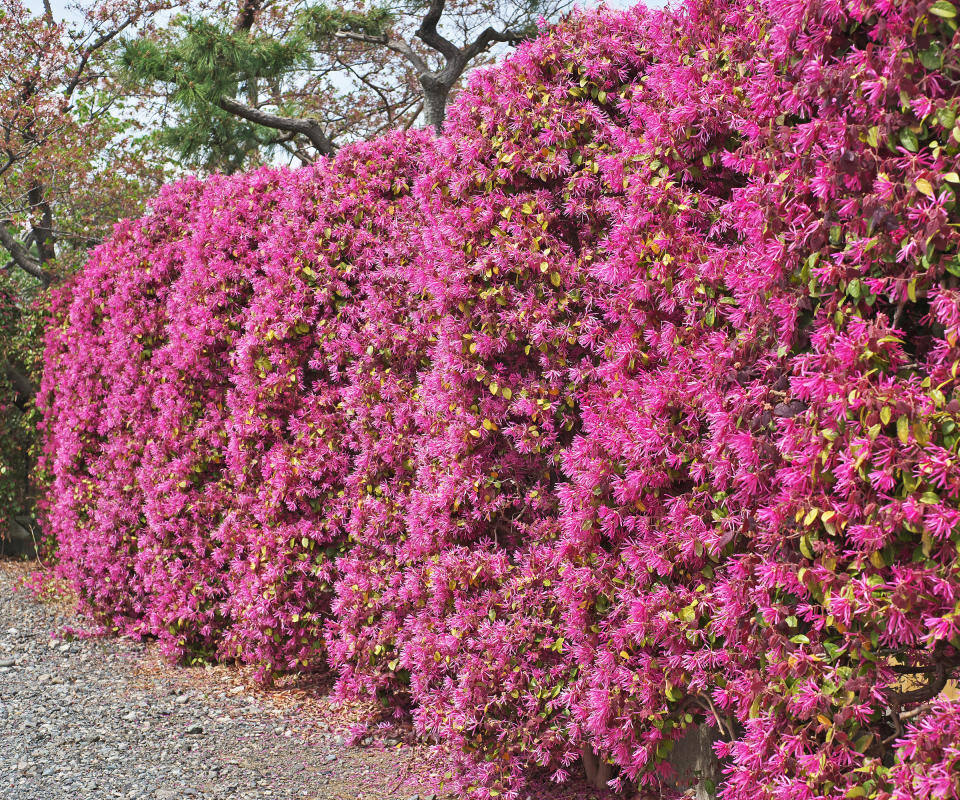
x,y
306,79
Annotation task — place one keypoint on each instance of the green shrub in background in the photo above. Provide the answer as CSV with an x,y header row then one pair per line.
x,y
22,311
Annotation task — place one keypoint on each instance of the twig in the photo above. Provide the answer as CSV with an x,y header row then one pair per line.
x,y
36,547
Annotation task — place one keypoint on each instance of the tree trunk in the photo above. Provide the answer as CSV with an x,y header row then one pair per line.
x,y
598,772
21,384
696,765
435,96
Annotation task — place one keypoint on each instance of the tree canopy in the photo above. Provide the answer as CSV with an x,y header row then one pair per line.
x,y
238,84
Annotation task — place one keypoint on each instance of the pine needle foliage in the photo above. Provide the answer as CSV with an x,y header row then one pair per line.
x,y
202,61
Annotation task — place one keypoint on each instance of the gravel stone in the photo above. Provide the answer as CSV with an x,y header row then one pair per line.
x,y
107,719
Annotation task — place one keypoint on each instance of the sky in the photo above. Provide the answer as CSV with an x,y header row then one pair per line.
x,y
61,7
66,10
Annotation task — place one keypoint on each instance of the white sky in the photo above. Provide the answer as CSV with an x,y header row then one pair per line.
x,y
66,9
61,7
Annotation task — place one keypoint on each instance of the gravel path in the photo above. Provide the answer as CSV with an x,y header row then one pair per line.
x,y
92,719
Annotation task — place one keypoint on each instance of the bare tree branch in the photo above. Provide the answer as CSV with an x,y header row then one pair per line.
x,y
42,232
409,123
430,36
22,258
248,13
367,38
396,45
487,38
105,39
307,127
297,153
364,79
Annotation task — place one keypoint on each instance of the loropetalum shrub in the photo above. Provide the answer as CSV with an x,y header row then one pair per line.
x,y
96,398
626,405
219,443
316,413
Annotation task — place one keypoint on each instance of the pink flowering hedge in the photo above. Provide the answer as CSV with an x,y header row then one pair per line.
x,y
629,404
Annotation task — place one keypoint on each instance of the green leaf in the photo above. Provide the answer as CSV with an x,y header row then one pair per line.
x,y
909,140
943,9
932,57
903,429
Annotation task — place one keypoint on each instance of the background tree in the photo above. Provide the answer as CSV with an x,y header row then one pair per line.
x,y
238,84
71,164
220,84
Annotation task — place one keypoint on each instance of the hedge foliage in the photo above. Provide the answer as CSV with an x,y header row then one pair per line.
x,y
628,404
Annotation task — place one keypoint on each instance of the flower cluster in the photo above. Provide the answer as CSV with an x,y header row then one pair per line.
x,y
629,404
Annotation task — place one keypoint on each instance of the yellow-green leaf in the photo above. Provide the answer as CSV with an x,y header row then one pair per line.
x,y
943,9
903,429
